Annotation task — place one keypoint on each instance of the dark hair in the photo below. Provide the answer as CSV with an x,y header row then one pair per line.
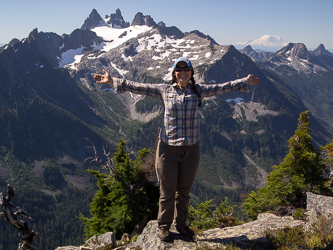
x,y
174,80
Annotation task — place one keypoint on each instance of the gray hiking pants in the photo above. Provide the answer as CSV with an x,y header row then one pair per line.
x,y
176,167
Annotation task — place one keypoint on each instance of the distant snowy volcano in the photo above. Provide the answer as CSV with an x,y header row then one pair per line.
x,y
266,42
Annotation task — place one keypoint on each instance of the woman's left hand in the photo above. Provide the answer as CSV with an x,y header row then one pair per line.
x,y
253,80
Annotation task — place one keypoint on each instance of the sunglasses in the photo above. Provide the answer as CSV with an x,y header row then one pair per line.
x,y
183,68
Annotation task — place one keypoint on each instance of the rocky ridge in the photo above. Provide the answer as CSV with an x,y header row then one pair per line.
x,y
243,236
249,235
260,56
294,55
297,57
309,74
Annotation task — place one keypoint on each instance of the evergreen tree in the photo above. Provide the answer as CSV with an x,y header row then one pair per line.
x,y
300,172
327,153
204,218
126,198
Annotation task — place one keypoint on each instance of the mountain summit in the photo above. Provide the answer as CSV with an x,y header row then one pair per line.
x,y
321,50
266,42
92,21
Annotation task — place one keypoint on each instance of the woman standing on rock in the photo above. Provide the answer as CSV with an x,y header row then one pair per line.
x,y
177,155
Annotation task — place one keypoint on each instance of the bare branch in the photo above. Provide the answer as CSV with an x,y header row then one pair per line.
x,y
25,233
109,163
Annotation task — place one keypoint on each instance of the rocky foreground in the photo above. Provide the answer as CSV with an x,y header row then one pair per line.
x,y
247,236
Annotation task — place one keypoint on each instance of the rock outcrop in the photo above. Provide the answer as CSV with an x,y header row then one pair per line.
x,y
249,234
243,236
318,206
105,240
246,236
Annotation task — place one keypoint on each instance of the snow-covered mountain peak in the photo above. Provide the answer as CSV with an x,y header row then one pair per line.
x,y
266,42
113,32
269,40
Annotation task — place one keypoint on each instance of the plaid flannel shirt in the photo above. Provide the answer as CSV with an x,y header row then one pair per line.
x,y
181,124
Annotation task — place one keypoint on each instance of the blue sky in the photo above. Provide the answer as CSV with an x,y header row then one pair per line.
x,y
228,22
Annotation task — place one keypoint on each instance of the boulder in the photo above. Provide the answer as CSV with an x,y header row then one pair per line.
x,y
106,239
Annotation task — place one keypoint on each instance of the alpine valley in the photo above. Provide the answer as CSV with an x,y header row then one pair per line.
x,y
50,105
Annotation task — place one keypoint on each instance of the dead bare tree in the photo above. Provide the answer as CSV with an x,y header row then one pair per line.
x,y
109,165
25,233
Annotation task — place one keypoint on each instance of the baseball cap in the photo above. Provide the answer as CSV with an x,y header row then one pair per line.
x,y
182,59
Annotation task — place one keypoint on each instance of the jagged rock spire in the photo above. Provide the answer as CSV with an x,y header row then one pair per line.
x,y
92,21
140,19
117,21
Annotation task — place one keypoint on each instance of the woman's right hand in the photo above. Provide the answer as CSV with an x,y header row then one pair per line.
x,y
253,80
103,78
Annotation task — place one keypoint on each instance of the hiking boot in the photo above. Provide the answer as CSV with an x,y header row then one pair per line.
x,y
186,232
164,234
